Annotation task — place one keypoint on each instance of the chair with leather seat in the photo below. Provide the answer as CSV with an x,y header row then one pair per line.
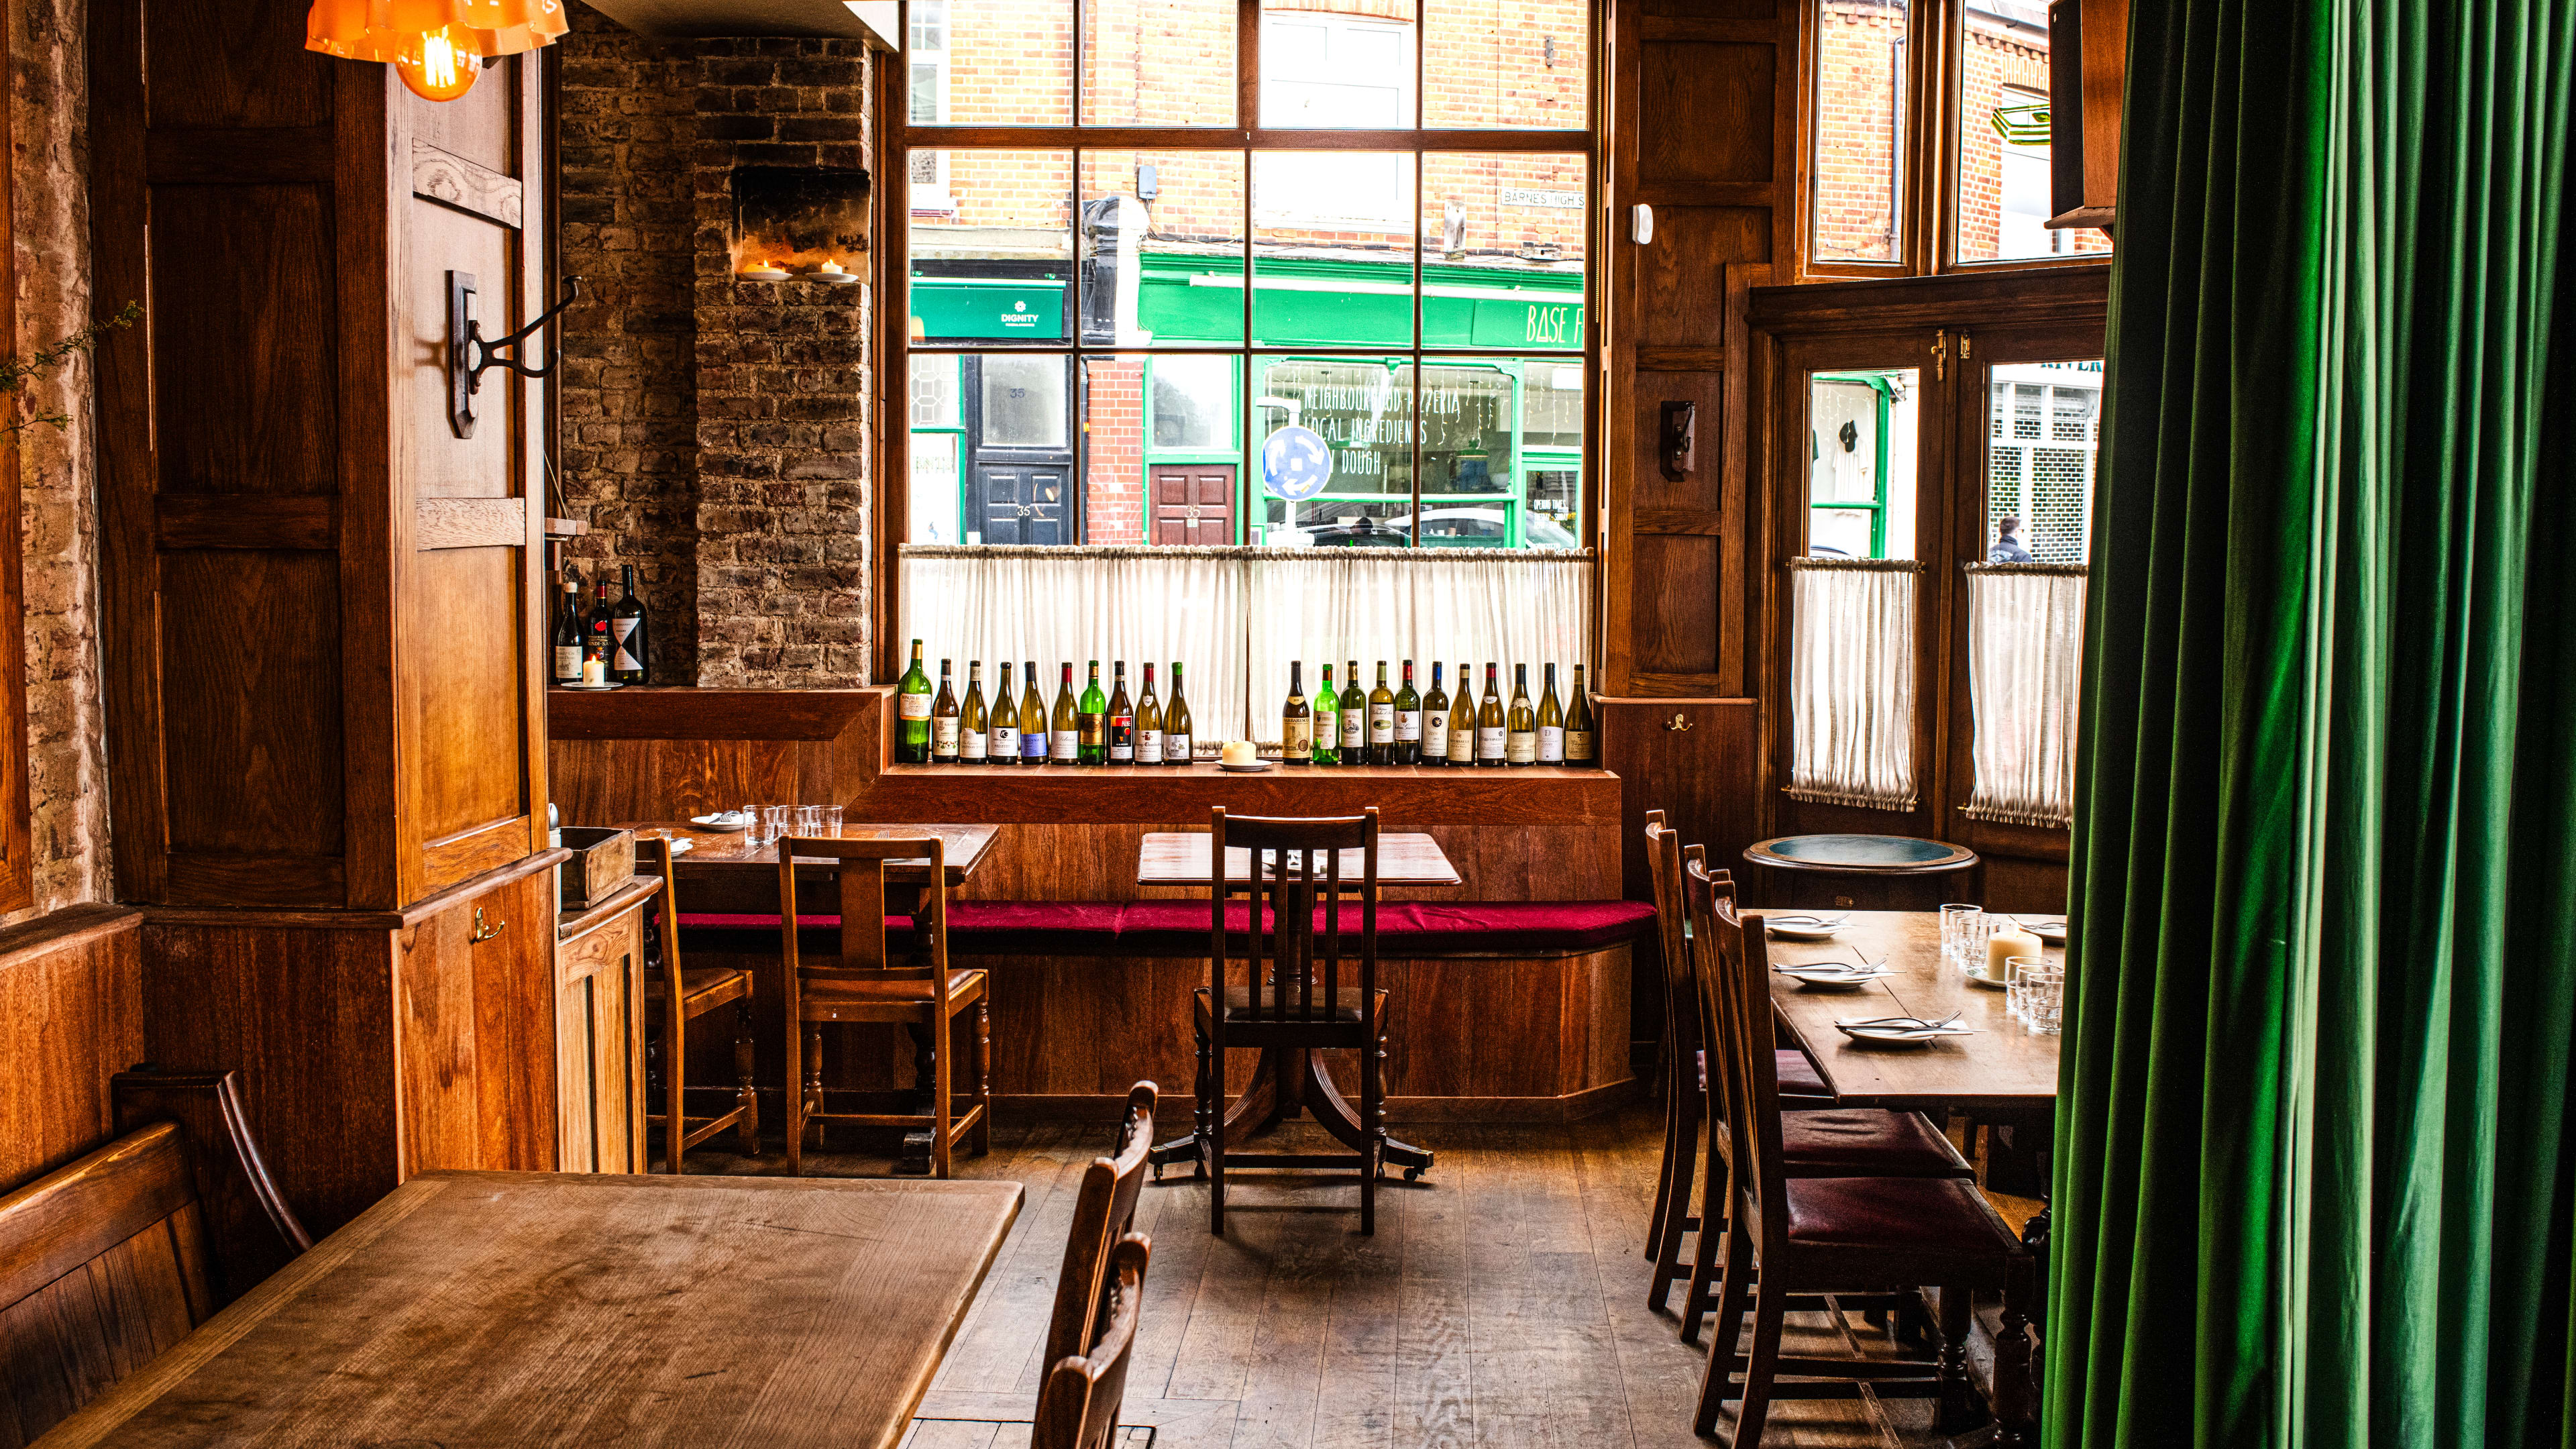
x,y
1789,1238
1300,993
1823,1139
865,985
699,992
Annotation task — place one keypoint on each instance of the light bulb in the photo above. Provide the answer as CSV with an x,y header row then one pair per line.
x,y
443,71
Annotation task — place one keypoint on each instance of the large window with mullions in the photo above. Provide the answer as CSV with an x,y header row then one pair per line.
x,y
1311,274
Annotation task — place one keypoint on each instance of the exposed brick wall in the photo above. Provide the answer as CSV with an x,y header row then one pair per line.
x,y
1113,495
58,514
716,431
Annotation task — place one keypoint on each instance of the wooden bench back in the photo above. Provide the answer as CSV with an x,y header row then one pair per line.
x,y
108,1261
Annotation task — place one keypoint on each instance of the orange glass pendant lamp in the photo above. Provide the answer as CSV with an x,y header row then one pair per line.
x,y
436,46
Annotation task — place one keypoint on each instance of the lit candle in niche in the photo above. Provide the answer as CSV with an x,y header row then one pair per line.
x,y
831,269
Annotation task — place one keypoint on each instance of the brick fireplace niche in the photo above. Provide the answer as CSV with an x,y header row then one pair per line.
x,y
714,430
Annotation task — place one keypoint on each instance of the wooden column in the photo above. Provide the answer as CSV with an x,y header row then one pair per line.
x,y
323,624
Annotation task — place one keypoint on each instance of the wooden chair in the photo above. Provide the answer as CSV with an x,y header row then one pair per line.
x,y
1079,1399
1104,1208
923,995
108,1261
698,992
1788,1237
1294,999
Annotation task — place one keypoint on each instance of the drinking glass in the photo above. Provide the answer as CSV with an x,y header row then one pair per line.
x,y
2044,1000
1953,920
756,833
809,821
832,819
1976,928
774,822
2017,972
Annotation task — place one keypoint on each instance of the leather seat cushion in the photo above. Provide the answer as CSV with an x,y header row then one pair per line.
x,y
1865,1142
1926,1218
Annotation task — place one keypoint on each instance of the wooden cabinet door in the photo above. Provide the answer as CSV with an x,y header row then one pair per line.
x,y
599,1046
475,995
1193,503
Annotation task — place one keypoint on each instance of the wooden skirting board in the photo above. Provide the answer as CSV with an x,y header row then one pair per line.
x,y
1490,1039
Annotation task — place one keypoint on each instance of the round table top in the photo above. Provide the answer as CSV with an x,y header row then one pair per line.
x,y
1861,854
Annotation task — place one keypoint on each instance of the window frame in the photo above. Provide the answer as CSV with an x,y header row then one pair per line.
x,y
899,137
1927,160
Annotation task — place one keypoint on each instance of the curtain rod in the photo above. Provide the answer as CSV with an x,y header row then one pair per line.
x,y
2041,570
1855,565
1070,553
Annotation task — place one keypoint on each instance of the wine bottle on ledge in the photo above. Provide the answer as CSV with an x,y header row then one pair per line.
x,y
1435,721
1381,720
1064,729
1582,738
943,722
974,736
1118,725
1003,745
1296,725
1520,742
1149,722
912,712
1354,717
567,634
1177,743
1551,724
1491,738
1033,720
1091,720
629,637
1408,722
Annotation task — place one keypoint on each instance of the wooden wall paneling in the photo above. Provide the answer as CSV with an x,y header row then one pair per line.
x,y
1706,776
370,1044
71,1016
599,1036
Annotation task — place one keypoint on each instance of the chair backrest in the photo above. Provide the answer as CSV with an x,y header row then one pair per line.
x,y
1735,990
863,910
108,1261
1103,1210
1681,991
1295,872
656,853
1079,1399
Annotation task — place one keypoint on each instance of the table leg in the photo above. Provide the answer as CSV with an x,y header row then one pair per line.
x,y
1262,1097
1326,1102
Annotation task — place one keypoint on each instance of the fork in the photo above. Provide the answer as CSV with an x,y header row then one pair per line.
x,y
1908,1021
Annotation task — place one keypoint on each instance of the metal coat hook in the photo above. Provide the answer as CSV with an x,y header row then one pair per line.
x,y
470,354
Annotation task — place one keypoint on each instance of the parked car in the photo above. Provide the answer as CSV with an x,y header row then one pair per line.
x,y
1445,528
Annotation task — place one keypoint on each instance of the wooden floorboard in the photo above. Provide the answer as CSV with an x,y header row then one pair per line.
x,y
1501,1305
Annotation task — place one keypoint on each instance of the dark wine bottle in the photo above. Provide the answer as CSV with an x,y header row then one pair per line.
x,y
1120,723
1091,718
566,638
1296,724
1381,721
1408,722
1435,720
629,634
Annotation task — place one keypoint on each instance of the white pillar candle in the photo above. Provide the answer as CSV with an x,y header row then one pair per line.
x,y
2005,944
594,671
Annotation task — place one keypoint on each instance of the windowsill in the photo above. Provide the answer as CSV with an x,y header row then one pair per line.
x,y
1178,797
1076,775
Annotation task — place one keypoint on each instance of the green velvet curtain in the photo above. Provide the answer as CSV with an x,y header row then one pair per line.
x,y
2316,1167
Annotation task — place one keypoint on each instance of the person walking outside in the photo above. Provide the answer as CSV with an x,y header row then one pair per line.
x,y
2008,547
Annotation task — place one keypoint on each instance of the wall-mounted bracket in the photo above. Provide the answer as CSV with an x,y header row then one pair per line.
x,y
470,355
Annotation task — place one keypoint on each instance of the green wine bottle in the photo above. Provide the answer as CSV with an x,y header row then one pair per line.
x,y
1328,707
1091,718
1355,716
912,713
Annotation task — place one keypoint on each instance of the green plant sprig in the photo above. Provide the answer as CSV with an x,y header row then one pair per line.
x,y
17,372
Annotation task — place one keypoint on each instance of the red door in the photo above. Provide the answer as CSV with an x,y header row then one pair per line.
x,y
1193,502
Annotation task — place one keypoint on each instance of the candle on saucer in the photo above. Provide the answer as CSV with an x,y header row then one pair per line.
x,y
831,269
1238,752
594,671
2005,944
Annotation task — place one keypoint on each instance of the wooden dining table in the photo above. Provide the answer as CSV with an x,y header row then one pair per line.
x,y
509,1309
1292,1079
725,872
2004,1066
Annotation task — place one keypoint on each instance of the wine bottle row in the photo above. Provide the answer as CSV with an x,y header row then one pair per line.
x,y
604,644
1382,726
1090,729
1403,727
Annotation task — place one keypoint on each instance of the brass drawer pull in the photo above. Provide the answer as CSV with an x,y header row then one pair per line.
x,y
483,932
